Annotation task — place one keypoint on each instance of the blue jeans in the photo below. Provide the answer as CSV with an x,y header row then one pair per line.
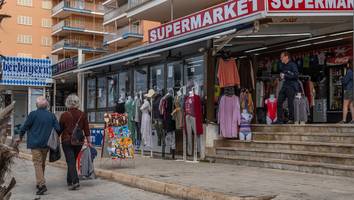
x,y
71,153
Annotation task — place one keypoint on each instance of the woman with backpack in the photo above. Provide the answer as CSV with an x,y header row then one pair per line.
x,y
75,133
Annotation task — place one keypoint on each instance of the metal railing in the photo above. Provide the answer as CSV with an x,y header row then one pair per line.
x,y
80,44
76,4
133,29
136,3
80,25
115,13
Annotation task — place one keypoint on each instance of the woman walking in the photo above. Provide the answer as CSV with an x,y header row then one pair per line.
x,y
75,129
347,82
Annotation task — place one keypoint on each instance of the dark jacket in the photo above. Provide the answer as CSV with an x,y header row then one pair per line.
x,y
168,123
68,121
39,125
291,75
348,80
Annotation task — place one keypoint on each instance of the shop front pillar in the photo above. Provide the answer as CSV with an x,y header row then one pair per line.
x,y
210,82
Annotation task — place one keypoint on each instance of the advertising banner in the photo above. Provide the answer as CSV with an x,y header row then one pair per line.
x,y
219,14
26,72
309,6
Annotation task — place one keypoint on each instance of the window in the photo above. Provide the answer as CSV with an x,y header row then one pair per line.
x,y
194,74
157,77
112,90
24,39
24,20
91,93
46,4
123,84
24,2
102,92
46,41
24,55
174,75
47,23
140,80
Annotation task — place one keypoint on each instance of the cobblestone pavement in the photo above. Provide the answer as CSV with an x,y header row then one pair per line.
x,y
57,190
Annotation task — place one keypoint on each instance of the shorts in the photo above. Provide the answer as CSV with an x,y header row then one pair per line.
x,y
348,95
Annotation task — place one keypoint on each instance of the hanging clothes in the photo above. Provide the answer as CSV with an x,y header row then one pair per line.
x,y
120,108
167,108
137,115
260,94
271,110
229,116
177,113
246,101
228,73
155,107
310,92
130,110
146,129
193,108
301,109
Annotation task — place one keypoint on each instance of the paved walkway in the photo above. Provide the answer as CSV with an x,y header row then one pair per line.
x,y
57,190
240,180
235,180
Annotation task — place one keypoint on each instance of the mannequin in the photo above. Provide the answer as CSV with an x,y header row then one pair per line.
x,y
169,125
193,120
245,127
271,104
137,119
146,129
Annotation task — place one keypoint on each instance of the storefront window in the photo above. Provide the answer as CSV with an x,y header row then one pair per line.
x,y
140,80
157,77
91,93
112,90
174,75
194,73
102,92
123,84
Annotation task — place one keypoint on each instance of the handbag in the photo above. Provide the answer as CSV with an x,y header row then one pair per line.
x,y
77,136
54,154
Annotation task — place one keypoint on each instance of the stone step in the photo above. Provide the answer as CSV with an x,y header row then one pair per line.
x,y
308,128
299,166
346,138
330,158
289,145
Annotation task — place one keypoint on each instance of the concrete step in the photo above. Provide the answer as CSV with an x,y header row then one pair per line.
x,y
299,166
345,138
308,128
319,147
330,158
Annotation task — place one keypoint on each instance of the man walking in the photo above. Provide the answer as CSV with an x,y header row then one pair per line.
x,y
289,74
39,125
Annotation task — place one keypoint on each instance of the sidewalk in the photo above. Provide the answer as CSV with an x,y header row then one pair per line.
x,y
235,180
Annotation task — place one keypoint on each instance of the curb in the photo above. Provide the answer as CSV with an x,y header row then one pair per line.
x,y
169,189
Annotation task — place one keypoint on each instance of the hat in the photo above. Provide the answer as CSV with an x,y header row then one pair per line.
x,y
150,94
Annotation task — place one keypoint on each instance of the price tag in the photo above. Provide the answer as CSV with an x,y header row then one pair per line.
x,y
158,72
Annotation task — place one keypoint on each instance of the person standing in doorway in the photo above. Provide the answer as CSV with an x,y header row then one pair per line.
x,y
39,125
289,74
347,82
73,122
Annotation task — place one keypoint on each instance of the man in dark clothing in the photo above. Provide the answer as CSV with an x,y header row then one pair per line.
x,y
289,74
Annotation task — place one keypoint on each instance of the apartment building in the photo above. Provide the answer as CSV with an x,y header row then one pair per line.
x,y
28,32
77,25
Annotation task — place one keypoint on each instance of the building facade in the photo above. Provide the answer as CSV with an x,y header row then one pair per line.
x,y
28,32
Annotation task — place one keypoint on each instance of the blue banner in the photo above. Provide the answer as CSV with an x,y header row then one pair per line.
x,y
26,72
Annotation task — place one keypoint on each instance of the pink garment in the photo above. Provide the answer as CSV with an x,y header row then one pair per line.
x,y
229,116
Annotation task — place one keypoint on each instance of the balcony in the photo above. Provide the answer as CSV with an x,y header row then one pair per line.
x,y
136,3
124,36
116,14
68,26
68,7
74,45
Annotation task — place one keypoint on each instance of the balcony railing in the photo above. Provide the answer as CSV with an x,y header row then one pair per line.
x,y
120,33
84,25
80,5
115,13
80,44
135,3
